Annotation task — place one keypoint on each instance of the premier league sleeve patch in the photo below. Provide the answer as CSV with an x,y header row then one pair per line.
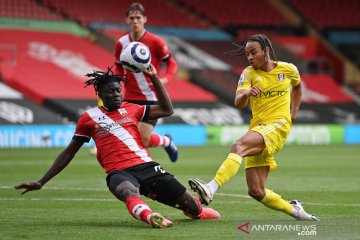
x,y
241,81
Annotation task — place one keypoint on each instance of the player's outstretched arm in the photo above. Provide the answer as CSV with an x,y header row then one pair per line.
x,y
164,108
59,164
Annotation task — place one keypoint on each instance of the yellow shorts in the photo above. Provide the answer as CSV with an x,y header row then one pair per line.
x,y
275,135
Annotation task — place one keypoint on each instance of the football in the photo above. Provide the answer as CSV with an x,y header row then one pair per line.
x,y
135,57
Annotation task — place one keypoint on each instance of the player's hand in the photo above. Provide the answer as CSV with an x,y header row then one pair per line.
x,y
150,71
30,186
164,80
254,91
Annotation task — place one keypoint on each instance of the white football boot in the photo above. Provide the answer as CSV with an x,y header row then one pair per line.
x,y
299,213
202,190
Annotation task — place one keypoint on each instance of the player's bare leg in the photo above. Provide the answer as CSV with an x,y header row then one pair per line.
x,y
256,180
137,208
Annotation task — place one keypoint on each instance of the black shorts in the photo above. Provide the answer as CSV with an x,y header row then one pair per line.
x,y
151,180
151,122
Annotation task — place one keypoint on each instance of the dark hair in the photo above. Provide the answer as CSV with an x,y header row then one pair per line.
x,y
136,7
260,38
100,78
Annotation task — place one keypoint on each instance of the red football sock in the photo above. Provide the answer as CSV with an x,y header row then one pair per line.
x,y
157,140
138,208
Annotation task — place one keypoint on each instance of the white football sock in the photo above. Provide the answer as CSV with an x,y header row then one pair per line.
x,y
166,141
213,185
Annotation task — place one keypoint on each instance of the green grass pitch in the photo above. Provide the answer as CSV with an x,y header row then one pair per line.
x,y
76,203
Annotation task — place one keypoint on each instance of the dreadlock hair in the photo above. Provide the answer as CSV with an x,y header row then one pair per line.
x,y
260,38
100,78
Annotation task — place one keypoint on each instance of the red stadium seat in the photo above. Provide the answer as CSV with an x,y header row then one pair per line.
x,y
90,11
240,12
338,14
26,9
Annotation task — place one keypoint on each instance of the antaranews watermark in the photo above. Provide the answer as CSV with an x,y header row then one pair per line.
x,y
300,229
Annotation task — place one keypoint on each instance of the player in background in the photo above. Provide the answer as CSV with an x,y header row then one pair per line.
x,y
274,90
130,168
139,88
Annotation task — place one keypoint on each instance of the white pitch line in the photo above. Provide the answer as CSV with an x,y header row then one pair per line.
x,y
61,199
233,195
62,188
107,200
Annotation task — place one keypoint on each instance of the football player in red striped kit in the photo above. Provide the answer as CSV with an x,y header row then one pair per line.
x,y
131,172
139,88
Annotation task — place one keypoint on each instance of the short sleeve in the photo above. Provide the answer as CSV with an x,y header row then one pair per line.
x,y
139,112
83,128
244,81
295,77
163,50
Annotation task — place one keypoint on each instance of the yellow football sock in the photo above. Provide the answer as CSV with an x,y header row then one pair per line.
x,y
274,201
228,169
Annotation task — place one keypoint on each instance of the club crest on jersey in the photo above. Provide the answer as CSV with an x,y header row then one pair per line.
x,y
281,77
123,111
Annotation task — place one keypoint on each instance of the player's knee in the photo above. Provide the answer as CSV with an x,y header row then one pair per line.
x,y
124,191
244,149
256,193
145,141
238,147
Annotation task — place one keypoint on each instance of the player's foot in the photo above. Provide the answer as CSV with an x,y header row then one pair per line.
x,y
300,213
209,213
171,150
202,190
158,221
93,151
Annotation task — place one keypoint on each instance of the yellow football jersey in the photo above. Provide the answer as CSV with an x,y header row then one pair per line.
x,y
273,102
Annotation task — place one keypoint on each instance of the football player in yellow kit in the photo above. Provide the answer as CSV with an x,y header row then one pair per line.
x,y
274,90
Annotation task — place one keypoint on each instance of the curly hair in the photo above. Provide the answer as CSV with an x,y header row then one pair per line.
x,y
99,78
260,38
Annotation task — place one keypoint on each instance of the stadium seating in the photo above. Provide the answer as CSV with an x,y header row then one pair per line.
x,y
28,9
323,14
50,69
243,34
90,11
217,49
241,12
245,18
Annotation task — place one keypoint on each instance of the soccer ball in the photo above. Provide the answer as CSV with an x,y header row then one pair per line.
x,y
135,57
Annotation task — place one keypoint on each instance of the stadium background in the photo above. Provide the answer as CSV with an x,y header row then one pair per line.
x,y
46,47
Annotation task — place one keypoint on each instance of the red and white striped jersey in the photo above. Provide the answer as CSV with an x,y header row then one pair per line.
x,y
116,135
138,87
